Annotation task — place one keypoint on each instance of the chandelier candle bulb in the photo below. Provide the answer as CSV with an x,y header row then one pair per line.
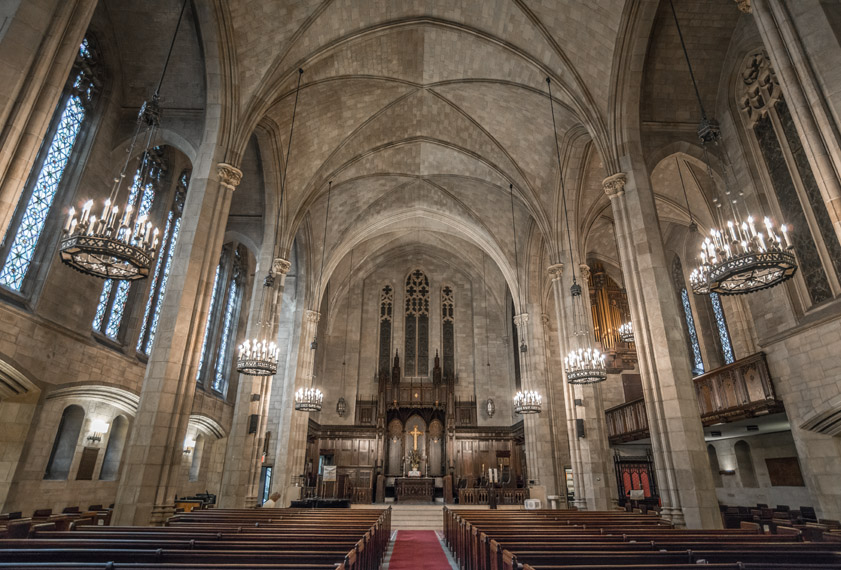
x,y
528,402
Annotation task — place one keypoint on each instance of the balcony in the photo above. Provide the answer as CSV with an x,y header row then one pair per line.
x,y
734,392
737,391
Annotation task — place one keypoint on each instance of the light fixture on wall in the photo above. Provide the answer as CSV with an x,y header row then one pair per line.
x,y
258,357
736,258
310,399
528,401
114,246
99,428
490,407
584,364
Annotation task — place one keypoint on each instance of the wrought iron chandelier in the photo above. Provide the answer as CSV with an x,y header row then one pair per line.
x,y
114,246
259,356
744,253
626,332
529,401
584,364
341,405
310,399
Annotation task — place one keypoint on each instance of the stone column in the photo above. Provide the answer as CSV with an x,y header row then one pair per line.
x,y
589,454
153,455
292,441
241,476
815,122
677,438
45,47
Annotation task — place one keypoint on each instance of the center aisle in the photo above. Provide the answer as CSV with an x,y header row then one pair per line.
x,y
418,550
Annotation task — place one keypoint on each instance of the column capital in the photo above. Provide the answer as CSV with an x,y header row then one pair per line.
x,y
555,270
312,316
744,6
281,266
521,319
544,318
229,176
614,185
585,271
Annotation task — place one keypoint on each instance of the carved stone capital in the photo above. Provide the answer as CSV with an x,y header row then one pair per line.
x,y
281,266
229,176
744,6
521,320
585,271
614,186
544,318
555,271
312,316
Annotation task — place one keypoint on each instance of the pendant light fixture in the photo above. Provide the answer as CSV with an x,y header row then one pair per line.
x,y
626,331
525,401
258,356
736,258
584,364
341,405
310,399
490,406
114,246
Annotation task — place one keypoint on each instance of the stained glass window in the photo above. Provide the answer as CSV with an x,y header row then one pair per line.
x,y
721,323
448,331
113,300
417,324
207,325
74,107
162,267
386,306
220,379
697,361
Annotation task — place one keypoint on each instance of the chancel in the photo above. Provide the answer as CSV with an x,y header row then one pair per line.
x,y
261,258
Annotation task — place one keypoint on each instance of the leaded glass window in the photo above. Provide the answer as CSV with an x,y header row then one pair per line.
x,y
417,324
37,200
448,331
114,298
721,324
386,307
220,333
689,329
162,267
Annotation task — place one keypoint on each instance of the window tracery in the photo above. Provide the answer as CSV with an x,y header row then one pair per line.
x,y
689,321
386,308
417,324
448,331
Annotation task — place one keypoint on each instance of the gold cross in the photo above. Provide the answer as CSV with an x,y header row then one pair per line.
x,y
415,433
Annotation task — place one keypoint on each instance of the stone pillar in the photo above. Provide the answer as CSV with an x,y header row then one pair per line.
x,y
589,454
815,122
45,46
677,438
292,448
241,476
154,452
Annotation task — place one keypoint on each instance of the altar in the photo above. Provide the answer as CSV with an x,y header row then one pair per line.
x,y
414,490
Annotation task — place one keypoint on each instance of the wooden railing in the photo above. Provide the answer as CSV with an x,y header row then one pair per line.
x,y
479,496
736,391
627,422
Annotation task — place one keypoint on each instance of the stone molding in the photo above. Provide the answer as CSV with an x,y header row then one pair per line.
x,y
555,270
585,271
744,6
229,176
614,185
281,266
312,316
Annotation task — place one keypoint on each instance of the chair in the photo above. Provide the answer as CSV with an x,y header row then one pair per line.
x,y
808,514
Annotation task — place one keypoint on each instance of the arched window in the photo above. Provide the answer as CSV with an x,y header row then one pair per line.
x,y
112,301
721,326
688,320
417,324
220,329
744,462
198,452
715,467
114,449
448,332
163,266
64,445
47,177
386,308
766,114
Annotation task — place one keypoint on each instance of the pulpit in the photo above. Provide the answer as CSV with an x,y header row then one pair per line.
x,y
414,490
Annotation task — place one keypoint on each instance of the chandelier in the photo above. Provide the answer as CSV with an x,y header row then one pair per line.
x,y
584,364
626,332
528,402
310,399
258,356
114,246
741,254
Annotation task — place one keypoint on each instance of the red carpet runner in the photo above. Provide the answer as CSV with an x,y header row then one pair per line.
x,y
417,550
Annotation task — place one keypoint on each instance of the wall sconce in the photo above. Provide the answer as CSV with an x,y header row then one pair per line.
x,y
99,427
490,407
189,444
727,472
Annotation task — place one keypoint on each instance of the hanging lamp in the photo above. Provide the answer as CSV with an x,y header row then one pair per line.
x,y
258,356
744,253
525,401
584,364
310,399
341,404
114,246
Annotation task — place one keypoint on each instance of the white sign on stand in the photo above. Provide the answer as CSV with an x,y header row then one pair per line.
x,y
329,474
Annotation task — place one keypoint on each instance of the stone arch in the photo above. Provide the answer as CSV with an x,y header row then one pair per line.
x,y
114,449
744,463
715,467
65,443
